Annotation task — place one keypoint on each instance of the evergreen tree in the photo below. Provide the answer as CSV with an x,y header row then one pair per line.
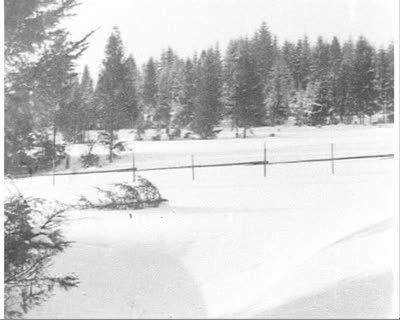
x,y
130,91
207,111
335,59
278,93
185,115
165,83
150,89
363,81
111,89
384,80
245,90
39,65
77,112
345,91
87,91
303,103
263,51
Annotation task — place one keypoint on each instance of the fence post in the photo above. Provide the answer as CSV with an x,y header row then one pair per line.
x,y
54,153
133,165
265,159
192,167
332,162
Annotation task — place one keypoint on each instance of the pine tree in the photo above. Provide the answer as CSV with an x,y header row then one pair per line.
x,y
335,59
185,115
345,89
76,113
278,93
110,90
363,81
384,80
87,91
162,115
130,91
245,89
263,51
150,89
39,65
207,111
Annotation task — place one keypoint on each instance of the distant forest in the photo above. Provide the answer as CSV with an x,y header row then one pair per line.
x,y
257,81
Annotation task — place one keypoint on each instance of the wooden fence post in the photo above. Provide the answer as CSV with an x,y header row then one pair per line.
x,y
265,160
332,162
193,167
133,165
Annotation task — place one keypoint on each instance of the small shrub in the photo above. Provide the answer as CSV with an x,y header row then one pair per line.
x,y
89,160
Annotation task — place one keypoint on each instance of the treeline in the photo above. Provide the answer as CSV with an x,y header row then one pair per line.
x,y
256,82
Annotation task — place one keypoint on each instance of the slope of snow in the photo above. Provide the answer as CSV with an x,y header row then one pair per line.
x,y
231,242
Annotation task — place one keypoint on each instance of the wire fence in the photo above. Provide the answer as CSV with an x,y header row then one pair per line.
x,y
279,156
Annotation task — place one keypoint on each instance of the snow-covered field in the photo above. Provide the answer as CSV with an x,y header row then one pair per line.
x,y
299,243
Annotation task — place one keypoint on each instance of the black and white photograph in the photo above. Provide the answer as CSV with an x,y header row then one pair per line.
x,y
200,159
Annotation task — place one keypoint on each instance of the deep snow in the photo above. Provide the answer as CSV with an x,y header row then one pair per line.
x,y
233,243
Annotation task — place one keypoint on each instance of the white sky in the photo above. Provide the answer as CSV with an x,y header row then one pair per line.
x,y
148,26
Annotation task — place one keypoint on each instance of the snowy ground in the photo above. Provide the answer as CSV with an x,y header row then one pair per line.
x,y
301,242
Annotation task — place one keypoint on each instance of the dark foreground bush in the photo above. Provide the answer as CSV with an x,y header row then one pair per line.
x,y
32,237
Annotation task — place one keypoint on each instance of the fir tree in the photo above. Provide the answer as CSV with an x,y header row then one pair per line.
x,y
363,81
207,111
278,93
39,65
185,115
263,51
130,91
345,89
111,89
245,89
384,80
150,89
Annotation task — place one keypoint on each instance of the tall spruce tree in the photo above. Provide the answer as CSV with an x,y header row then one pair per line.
x,y
87,91
244,92
363,81
384,80
207,112
185,115
130,92
150,89
278,93
39,66
345,93
263,51
111,89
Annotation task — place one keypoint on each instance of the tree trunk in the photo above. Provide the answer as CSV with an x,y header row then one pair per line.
x,y
110,157
244,132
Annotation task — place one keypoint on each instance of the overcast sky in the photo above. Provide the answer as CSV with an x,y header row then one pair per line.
x,y
148,26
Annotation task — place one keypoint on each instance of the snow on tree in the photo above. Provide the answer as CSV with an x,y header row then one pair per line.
x,y
244,89
114,89
364,78
208,108
278,93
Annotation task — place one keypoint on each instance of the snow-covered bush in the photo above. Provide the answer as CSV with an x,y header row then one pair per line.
x,y
123,196
32,237
89,159
38,152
